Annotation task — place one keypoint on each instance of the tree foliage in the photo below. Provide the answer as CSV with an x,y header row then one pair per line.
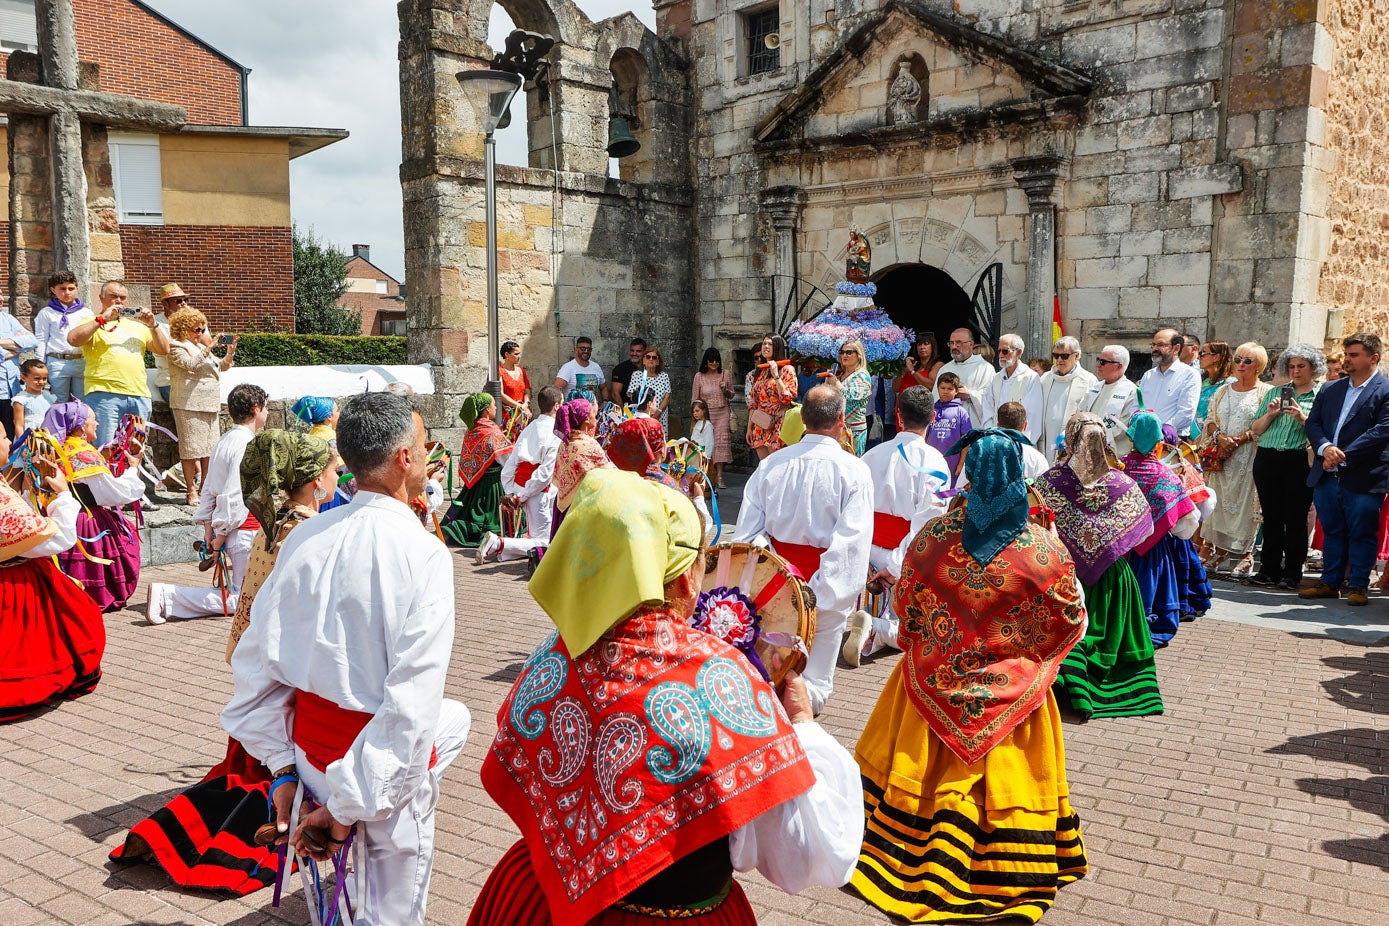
x,y
320,280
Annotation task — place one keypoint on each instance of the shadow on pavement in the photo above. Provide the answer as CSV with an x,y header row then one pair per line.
x,y
1368,748
1366,688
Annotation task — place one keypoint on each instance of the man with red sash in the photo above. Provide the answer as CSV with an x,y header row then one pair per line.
x,y
527,476
227,524
340,676
908,476
813,505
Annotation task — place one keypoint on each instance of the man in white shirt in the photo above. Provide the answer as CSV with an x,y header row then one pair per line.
x,y
1114,399
581,375
1012,415
908,475
1171,388
340,676
227,525
1015,381
975,374
527,473
813,504
51,325
1063,388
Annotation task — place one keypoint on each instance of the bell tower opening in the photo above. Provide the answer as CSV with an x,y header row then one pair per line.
x,y
924,298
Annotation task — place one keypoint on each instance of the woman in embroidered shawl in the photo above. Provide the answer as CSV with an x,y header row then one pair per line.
x,y
1170,575
204,838
606,708
1101,514
106,559
51,634
478,507
576,423
964,768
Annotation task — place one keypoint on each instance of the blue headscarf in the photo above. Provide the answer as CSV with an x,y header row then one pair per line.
x,y
313,409
996,510
1145,430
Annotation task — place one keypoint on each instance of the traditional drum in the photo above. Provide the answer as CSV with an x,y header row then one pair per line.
x,y
753,601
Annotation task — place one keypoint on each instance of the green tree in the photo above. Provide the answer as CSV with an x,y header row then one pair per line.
x,y
320,279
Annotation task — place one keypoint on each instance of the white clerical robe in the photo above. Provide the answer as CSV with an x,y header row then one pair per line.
x,y
1115,403
359,611
225,509
1024,386
975,374
814,494
538,445
1061,396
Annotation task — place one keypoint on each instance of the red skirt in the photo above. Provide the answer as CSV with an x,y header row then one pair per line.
x,y
512,897
51,638
109,585
204,837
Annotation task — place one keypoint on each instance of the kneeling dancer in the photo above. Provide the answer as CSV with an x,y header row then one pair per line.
x,y
340,675
964,770
645,761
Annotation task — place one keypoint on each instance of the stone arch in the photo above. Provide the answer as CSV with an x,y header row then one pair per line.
x,y
631,100
559,18
923,298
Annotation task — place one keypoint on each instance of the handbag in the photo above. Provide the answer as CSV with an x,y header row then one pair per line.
x,y
760,419
1213,456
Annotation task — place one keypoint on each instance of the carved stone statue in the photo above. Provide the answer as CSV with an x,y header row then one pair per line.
x,y
858,264
904,96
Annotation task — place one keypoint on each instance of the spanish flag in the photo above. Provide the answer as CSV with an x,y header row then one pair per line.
x,y
1058,330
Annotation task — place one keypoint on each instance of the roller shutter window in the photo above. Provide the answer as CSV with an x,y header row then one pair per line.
x,y
136,173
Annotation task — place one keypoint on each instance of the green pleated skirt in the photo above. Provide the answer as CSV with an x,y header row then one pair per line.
x,y
1111,673
476,511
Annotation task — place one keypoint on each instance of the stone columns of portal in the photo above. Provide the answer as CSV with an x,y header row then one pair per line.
x,y
783,205
1037,176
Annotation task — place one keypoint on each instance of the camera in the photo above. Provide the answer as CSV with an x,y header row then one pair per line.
x,y
226,340
130,311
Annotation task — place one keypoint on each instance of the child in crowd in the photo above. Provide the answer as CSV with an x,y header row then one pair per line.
x,y
951,422
1333,364
33,403
1039,365
702,429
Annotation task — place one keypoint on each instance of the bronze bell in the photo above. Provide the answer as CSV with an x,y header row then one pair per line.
x,y
621,142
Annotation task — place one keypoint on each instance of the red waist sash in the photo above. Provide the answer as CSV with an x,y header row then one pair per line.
x,y
250,524
326,731
805,558
889,530
524,472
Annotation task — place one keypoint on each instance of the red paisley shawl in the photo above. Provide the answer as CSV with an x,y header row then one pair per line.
x,y
656,741
483,444
983,645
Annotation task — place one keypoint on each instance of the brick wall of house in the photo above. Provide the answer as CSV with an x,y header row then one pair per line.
x,y
241,277
371,305
141,55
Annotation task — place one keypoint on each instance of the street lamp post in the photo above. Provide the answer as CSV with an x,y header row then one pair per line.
x,y
490,93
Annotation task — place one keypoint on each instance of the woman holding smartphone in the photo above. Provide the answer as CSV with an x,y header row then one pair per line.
x,y
1281,465
195,395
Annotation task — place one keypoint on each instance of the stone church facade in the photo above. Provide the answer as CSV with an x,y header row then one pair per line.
x,y
1204,164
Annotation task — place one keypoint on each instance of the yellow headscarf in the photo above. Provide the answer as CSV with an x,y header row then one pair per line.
x,y
623,539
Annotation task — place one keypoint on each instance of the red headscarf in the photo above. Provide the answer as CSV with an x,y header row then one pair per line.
x,y
637,444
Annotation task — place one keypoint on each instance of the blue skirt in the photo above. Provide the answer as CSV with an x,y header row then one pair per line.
x,y
1159,583
1191,577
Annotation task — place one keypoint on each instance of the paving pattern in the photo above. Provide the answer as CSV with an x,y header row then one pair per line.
x,y
1259,797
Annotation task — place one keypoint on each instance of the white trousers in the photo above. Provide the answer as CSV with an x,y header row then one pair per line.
x,y
399,850
183,602
540,511
824,656
885,622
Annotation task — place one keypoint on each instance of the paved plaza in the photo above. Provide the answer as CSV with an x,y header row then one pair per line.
x,y
1259,797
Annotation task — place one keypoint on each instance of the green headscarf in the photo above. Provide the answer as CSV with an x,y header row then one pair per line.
x,y
473,407
996,506
279,461
623,539
1145,430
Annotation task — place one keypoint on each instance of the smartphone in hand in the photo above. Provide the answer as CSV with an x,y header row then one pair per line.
x,y
1288,395
130,311
226,340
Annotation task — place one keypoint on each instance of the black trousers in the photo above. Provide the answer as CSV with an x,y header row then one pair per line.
x,y
7,417
1280,478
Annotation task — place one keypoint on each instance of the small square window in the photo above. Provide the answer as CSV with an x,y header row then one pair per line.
x,y
381,287
758,25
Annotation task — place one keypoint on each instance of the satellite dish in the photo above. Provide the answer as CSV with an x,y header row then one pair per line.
x,y
772,41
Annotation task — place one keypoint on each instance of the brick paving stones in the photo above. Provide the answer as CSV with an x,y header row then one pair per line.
x,y
1261,796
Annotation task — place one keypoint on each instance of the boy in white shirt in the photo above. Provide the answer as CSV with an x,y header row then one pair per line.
x,y
64,311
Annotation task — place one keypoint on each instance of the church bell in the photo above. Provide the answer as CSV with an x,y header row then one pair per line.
x,y
621,142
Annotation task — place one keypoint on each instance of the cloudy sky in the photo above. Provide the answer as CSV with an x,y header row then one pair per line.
x,y
332,63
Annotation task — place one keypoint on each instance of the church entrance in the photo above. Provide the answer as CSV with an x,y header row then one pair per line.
x,y
925,299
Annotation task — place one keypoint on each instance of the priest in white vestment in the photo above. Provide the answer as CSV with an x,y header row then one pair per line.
x,y
340,676
1114,398
908,476
1063,388
812,502
527,476
974,371
1015,381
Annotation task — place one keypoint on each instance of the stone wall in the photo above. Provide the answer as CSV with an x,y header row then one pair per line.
x,y
1355,278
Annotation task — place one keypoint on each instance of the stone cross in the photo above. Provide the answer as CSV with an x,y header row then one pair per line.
x,y
55,93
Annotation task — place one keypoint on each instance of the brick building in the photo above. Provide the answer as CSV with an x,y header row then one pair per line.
x,y
373,294
207,204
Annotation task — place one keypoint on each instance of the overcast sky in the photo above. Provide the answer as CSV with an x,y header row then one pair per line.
x,y
332,63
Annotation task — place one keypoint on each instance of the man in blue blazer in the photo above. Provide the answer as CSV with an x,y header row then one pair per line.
x,y
1349,430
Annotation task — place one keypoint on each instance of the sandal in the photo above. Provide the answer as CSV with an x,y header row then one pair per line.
x,y
193,499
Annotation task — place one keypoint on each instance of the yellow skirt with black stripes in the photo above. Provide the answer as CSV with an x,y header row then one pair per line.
x,y
949,842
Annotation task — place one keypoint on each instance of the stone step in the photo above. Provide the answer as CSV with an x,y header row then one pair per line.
x,y
168,534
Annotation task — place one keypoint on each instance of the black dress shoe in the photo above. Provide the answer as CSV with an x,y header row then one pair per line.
x,y
1260,579
1290,584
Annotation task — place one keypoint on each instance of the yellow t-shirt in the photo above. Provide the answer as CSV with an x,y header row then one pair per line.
x,y
116,359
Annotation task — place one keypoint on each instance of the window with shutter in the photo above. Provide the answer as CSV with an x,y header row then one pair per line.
x,y
18,26
139,183
381,288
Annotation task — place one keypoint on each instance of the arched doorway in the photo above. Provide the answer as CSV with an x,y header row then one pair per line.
x,y
924,298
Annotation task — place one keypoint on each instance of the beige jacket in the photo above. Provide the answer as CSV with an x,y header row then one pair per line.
x,y
193,378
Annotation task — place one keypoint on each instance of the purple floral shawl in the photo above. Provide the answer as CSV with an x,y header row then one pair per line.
x,y
1166,497
1098,524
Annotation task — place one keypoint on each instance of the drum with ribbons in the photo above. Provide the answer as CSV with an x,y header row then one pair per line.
x,y
129,442
753,601
610,416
